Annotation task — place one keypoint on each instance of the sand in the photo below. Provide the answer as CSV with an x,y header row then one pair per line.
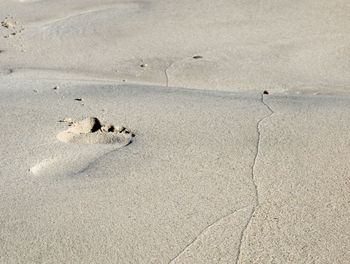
x,y
167,132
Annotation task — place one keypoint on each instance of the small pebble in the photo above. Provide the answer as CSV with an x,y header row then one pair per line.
x,y
197,57
144,65
266,92
56,88
79,99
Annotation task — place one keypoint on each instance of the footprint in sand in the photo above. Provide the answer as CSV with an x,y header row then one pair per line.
x,y
88,140
91,131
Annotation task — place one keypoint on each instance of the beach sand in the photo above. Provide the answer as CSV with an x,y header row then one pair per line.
x,y
168,132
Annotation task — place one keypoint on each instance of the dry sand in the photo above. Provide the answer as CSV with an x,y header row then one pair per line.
x,y
139,132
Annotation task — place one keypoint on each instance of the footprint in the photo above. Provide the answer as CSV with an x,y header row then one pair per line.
x,y
88,141
91,131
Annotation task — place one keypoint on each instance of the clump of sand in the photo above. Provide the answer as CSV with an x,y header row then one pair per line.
x,y
91,131
13,26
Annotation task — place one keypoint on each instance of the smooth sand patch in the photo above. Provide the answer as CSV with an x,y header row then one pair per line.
x,y
246,46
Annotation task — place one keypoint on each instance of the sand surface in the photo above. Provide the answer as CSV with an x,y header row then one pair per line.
x,y
139,132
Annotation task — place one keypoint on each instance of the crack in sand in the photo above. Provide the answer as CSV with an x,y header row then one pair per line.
x,y
253,182
166,77
203,231
168,67
253,176
166,74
